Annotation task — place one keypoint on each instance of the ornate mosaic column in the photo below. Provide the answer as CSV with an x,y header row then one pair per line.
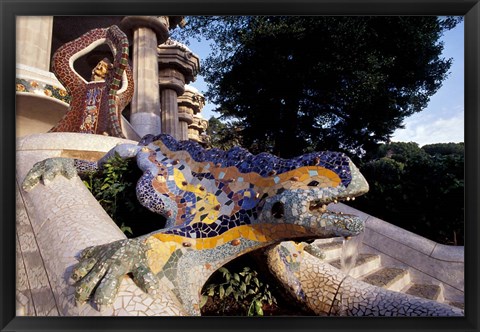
x,y
190,103
40,98
146,32
177,66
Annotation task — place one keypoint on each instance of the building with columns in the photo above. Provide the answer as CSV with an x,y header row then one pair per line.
x,y
163,100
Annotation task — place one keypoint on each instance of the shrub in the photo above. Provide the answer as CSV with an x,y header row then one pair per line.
x,y
114,187
244,287
419,189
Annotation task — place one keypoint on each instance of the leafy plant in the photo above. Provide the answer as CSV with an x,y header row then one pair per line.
x,y
114,186
245,287
110,187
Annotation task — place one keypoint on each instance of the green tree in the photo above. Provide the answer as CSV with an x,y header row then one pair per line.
x,y
400,151
418,191
300,83
445,149
223,135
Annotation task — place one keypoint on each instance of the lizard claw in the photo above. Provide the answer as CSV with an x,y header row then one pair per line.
x,y
101,269
47,170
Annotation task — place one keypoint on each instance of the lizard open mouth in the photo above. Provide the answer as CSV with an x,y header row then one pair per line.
x,y
318,206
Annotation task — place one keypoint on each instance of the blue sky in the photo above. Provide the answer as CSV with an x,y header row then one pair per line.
x,y
443,119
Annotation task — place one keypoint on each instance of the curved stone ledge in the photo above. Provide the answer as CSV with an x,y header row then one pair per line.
x,y
36,74
448,253
65,218
40,96
412,240
70,141
37,83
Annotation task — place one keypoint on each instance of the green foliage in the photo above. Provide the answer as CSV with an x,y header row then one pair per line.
x,y
302,83
419,191
222,135
399,151
114,188
109,188
445,149
244,287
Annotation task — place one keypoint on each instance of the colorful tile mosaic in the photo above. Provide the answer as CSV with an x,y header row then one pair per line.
x,y
218,205
95,106
42,89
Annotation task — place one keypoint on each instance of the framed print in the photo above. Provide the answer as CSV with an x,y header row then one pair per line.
x,y
232,142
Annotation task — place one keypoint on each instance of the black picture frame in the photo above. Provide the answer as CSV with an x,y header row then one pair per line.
x,y
9,9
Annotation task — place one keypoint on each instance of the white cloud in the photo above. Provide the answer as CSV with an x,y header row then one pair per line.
x,y
428,129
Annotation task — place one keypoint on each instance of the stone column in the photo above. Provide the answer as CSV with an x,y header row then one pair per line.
x,y
41,101
177,67
190,103
197,128
185,118
34,41
172,84
146,32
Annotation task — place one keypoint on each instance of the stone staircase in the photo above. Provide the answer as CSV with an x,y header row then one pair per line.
x,y
369,268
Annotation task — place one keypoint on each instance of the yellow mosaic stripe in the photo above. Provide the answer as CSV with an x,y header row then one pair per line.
x,y
162,246
257,232
159,253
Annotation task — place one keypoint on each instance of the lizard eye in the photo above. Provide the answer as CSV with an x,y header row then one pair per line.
x,y
278,210
313,184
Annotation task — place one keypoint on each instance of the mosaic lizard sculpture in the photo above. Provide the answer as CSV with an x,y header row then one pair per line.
x,y
218,205
96,106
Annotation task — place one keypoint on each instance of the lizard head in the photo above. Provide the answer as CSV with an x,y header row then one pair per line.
x,y
303,200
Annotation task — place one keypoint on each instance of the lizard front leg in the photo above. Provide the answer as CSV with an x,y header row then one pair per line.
x,y
101,269
48,169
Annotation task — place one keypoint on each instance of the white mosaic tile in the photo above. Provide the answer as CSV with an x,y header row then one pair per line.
x,y
67,221
329,291
69,141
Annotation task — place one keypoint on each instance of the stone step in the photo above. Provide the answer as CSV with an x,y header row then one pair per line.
x,y
391,278
368,268
364,264
332,248
431,292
